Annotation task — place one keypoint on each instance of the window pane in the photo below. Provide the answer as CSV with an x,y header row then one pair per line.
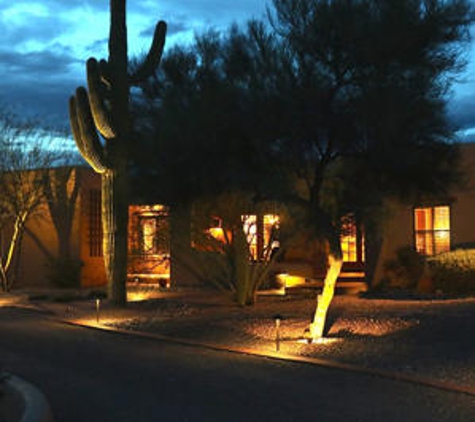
x,y
348,239
148,230
216,229
424,243
441,241
249,225
441,218
153,230
423,218
432,229
271,227
162,235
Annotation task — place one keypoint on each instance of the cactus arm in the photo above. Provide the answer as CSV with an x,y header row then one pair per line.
x,y
80,143
105,73
153,57
90,144
100,114
76,130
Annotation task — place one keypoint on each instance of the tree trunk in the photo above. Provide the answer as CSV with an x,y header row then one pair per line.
x,y
242,270
323,303
115,221
15,240
373,243
64,243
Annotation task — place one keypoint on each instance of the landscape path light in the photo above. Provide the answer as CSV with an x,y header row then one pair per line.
x,y
98,309
278,319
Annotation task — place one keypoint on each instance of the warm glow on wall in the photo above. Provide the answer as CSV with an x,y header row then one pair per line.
x,y
217,233
288,280
138,296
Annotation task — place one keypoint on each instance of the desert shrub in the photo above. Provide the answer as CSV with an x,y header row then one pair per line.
x,y
64,272
454,272
404,271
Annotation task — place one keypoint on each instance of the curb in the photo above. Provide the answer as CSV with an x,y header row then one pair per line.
x,y
395,376
37,408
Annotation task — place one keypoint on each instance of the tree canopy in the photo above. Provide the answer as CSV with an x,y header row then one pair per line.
x,y
364,82
330,106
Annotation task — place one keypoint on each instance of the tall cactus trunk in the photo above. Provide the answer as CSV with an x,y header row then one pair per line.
x,y
114,223
103,110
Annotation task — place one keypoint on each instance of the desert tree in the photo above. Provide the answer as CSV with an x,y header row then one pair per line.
x,y
199,136
61,186
338,107
23,163
103,129
366,108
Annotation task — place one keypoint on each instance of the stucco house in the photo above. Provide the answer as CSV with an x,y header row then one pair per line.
x,y
431,226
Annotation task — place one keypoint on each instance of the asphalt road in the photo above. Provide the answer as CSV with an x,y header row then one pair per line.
x,y
94,376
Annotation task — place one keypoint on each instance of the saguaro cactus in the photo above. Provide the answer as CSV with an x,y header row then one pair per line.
x,y
102,128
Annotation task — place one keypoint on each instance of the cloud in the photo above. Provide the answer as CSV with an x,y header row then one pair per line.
x,y
173,28
36,65
47,102
185,18
210,12
45,43
461,112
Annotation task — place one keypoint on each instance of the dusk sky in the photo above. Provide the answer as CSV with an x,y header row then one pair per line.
x,y
44,46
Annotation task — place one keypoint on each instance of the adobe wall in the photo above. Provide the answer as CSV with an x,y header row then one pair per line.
x,y
33,270
398,230
92,270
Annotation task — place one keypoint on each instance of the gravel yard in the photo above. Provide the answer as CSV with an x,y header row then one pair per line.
x,y
433,339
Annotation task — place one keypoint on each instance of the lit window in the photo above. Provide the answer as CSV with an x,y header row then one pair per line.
x,y
153,232
432,229
216,230
249,225
351,240
271,228
261,234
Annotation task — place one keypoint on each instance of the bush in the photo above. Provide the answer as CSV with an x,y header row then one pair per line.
x,y
454,272
65,273
405,271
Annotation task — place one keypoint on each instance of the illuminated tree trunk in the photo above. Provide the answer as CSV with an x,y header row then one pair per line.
x,y
324,300
13,245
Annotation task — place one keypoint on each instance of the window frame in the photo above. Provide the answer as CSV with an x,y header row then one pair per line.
x,y
259,249
359,242
161,247
432,231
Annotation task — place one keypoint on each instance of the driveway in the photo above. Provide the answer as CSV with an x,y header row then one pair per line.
x,y
96,376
